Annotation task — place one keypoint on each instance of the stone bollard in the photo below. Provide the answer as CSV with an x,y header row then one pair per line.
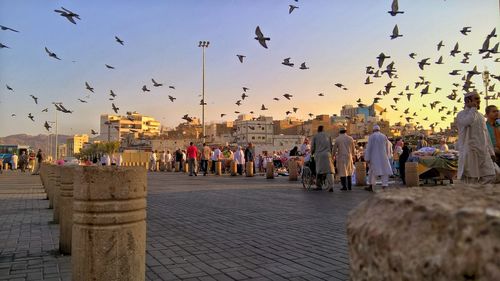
x,y
186,167
56,193
293,173
109,226
169,166
177,166
66,207
411,174
360,173
51,177
270,170
435,233
234,168
218,168
249,169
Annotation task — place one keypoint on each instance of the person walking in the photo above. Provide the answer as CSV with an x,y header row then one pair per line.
x,y
23,161
476,153
39,159
322,152
239,158
192,152
152,161
377,155
493,126
13,161
205,157
178,158
343,151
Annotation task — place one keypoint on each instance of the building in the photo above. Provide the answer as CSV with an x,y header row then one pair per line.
x,y
75,144
114,127
220,133
62,150
255,130
373,110
288,126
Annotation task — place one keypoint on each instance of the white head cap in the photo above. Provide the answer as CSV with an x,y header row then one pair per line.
x,y
470,94
376,128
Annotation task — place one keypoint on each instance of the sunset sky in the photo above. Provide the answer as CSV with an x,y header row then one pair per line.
x,y
337,40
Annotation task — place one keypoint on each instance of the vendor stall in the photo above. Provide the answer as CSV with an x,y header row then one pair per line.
x,y
435,165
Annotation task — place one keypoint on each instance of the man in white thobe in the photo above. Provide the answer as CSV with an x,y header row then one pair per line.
x,y
343,150
377,154
322,151
476,153
239,158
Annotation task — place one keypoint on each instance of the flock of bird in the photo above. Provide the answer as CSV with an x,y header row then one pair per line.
x,y
422,85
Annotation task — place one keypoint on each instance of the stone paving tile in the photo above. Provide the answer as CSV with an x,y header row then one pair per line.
x,y
199,228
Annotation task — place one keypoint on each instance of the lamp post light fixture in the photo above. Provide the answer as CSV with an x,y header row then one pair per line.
x,y
486,81
203,45
57,150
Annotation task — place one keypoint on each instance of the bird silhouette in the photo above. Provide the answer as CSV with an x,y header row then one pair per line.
x,y
395,33
455,50
109,66
93,132
115,109
30,116
287,62
111,93
303,66
381,59
9,88
5,28
156,84
87,86
287,96
34,98
412,55
466,30
423,63
241,57
171,98
145,89
120,41
291,8
440,60
4,46
395,8
51,54
69,15
261,38
263,107
82,101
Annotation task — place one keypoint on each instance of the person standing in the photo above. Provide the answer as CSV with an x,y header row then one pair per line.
x,y
163,157
239,158
493,126
23,161
205,157
405,154
443,147
249,155
178,158
152,161
192,152
168,158
343,151
118,159
422,143
216,157
13,161
476,153
321,149
377,155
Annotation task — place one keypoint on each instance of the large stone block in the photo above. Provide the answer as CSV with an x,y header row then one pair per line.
x,y
56,192
66,208
426,234
109,227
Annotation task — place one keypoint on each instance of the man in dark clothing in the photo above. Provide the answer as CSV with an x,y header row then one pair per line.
x,y
39,160
402,160
178,158
249,154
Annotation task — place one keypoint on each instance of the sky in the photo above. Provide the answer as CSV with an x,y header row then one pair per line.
x,y
337,40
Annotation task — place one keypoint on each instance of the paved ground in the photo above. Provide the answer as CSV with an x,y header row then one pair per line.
x,y
199,228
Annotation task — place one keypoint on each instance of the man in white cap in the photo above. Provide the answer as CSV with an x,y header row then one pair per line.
x,y
377,154
475,162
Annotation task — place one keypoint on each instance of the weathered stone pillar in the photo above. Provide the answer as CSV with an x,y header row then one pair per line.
x,y
169,166
293,172
51,178
360,173
249,169
218,168
109,227
66,207
56,193
411,174
436,233
234,168
177,166
186,167
270,170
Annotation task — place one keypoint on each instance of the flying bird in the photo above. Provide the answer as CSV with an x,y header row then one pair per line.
x,y
368,82
51,54
171,98
87,86
30,116
82,101
145,89
321,95
466,30
395,32
413,55
423,63
34,98
222,115
9,88
47,126
263,107
243,96
111,93
440,45
4,46
156,84
395,8
241,57
455,50
120,41
45,110
381,59
303,66
115,109
245,89
109,66
287,96
291,8
261,38
171,87
287,62
69,15
440,60
93,132
7,28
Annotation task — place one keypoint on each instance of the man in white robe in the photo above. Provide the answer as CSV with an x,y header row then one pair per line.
x,y
476,153
343,151
322,151
377,154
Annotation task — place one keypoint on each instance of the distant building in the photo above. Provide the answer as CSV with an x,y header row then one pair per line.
x,y
75,144
288,126
114,127
366,111
220,133
62,150
255,130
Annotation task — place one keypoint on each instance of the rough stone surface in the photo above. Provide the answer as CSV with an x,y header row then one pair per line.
x,y
51,179
249,169
360,173
109,224
433,233
270,170
66,208
56,191
293,173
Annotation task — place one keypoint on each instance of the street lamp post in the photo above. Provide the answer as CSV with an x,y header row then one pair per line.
x,y
57,150
203,45
486,81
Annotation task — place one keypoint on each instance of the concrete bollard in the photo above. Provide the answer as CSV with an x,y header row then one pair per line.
x,y
411,174
218,168
177,166
293,171
234,168
109,226
66,208
169,166
270,170
360,173
249,169
56,193
51,177
186,167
